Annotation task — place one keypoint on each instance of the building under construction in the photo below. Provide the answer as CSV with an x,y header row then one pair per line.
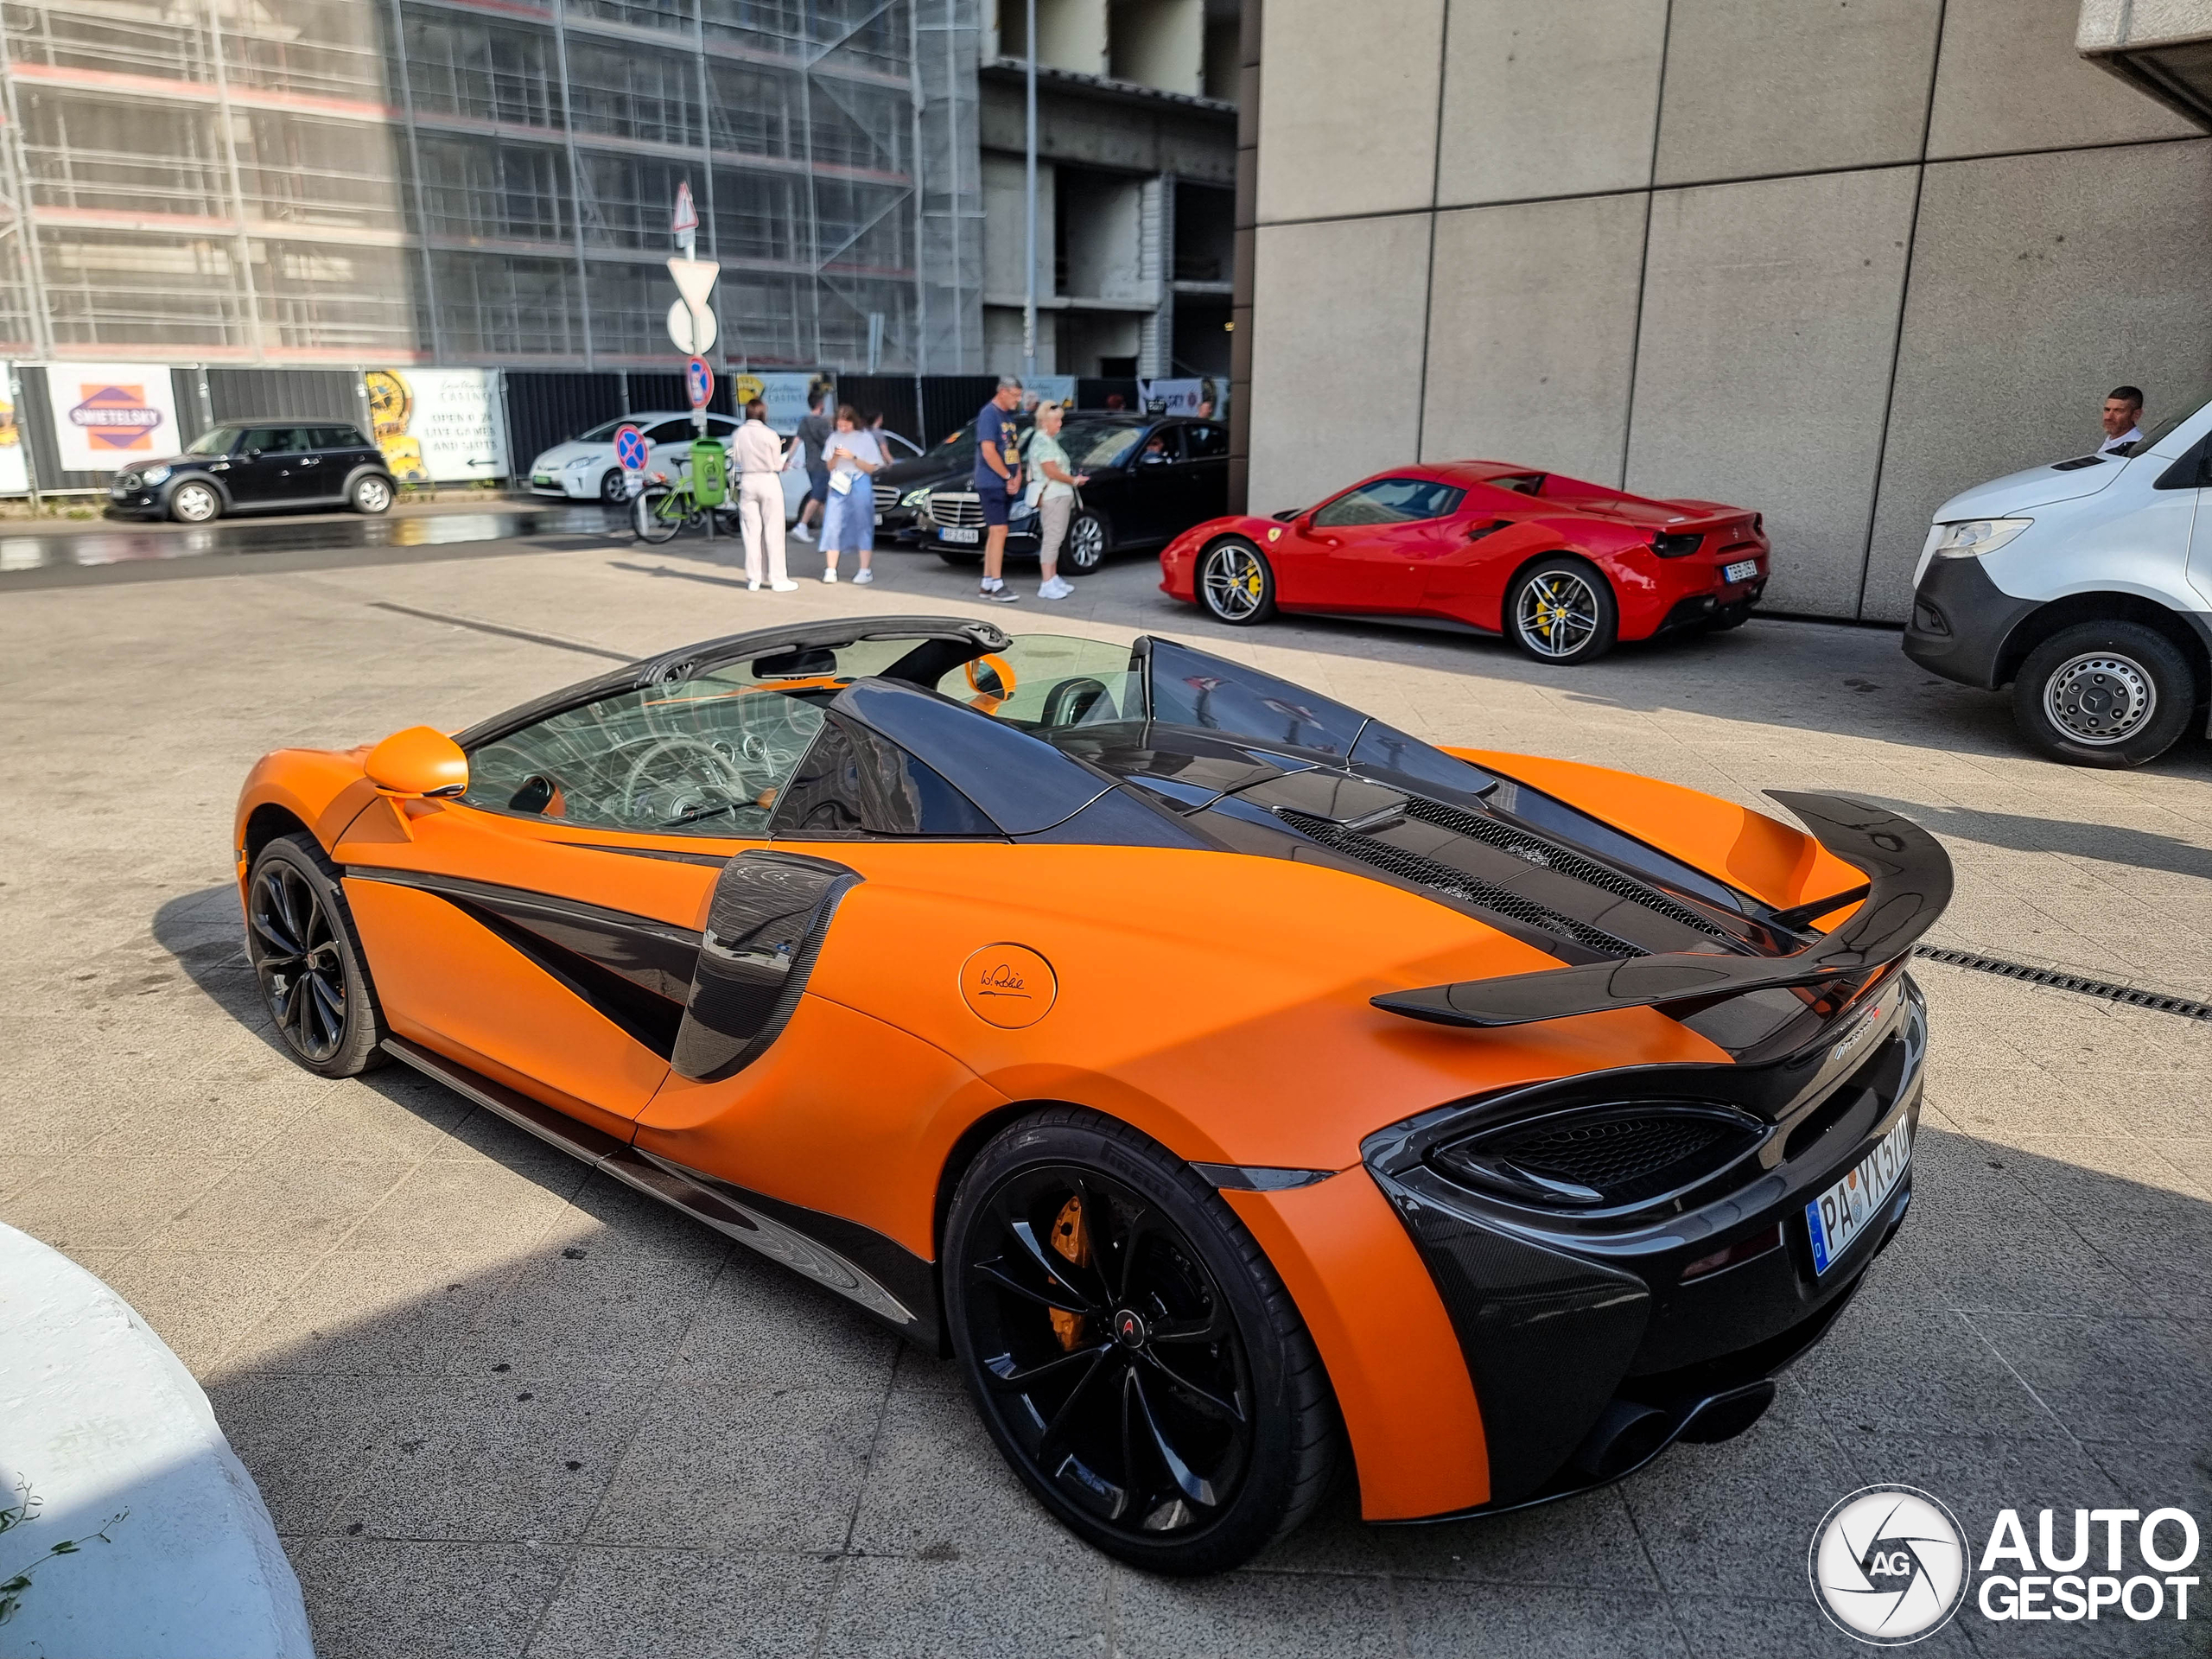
x,y
295,182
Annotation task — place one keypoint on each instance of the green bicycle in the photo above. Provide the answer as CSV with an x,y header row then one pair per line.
x,y
663,509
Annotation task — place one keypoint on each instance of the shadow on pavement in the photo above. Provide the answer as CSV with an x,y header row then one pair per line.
x,y
2140,849
470,1375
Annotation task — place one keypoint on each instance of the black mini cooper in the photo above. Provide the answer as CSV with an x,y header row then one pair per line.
x,y
257,465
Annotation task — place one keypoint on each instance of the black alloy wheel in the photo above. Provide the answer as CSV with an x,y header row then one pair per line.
x,y
1131,1349
300,938
1089,541
193,502
2105,694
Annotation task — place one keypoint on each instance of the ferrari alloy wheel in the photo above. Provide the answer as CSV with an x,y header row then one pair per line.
x,y
1561,610
1087,545
1131,1349
2104,694
372,494
195,503
299,936
1235,584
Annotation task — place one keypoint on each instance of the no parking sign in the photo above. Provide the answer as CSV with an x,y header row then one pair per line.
x,y
629,449
699,381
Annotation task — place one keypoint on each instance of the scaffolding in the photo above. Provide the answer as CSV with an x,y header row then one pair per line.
x,y
488,181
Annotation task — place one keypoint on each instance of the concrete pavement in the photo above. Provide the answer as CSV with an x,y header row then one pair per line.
x,y
499,1406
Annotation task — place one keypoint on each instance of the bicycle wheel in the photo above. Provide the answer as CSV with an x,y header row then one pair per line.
x,y
657,515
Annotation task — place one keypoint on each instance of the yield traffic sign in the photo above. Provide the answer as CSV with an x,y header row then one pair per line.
x,y
629,449
699,381
694,279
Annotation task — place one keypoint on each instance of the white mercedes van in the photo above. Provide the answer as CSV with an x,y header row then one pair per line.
x,y
2087,586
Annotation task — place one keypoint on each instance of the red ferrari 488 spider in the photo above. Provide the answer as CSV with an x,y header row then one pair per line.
x,y
1561,567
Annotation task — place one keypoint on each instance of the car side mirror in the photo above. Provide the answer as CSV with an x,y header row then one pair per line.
x,y
420,760
1303,525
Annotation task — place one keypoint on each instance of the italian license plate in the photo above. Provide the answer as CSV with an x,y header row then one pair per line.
x,y
1838,1217
970,537
1742,570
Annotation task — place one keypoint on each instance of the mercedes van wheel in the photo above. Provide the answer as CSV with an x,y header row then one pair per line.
x,y
2104,694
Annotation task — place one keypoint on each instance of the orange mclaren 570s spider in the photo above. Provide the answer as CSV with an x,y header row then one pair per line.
x,y
1234,1085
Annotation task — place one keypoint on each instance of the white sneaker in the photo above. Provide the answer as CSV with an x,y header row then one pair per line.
x,y
783,587
1056,589
862,577
799,533
751,587
829,575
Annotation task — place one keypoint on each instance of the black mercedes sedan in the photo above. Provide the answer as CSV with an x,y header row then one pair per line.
x,y
1151,479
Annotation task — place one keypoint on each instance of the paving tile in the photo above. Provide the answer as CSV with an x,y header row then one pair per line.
x,y
937,1482
88,1201
1732,1519
522,1453
1334,1540
996,1609
1444,1621
1918,1365
291,1206
589,1303
375,1598
2110,1379
762,1324
476,1212
361,1311
650,1604
307,1441
1791,1623
201,1304
1286,1613
715,1466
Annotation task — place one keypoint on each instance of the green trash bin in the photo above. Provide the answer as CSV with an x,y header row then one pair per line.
x,y
709,473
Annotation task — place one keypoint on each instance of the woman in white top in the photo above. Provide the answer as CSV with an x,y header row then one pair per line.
x,y
1056,485
849,521
759,456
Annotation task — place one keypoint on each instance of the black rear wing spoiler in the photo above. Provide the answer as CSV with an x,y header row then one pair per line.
x,y
1908,884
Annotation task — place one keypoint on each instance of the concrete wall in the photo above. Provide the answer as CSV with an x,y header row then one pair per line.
x,y
1834,262
1159,43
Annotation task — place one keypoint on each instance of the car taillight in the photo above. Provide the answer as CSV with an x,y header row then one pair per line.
x,y
1674,546
1767,1238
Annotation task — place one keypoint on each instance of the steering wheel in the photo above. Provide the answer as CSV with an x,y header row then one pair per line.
x,y
702,764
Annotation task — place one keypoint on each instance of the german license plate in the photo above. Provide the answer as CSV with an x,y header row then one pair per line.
x,y
971,537
1742,570
1838,1217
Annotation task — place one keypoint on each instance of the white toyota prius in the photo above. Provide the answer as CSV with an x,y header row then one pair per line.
x,y
2087,586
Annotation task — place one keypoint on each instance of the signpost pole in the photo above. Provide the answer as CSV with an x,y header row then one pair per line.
x,y
1029,189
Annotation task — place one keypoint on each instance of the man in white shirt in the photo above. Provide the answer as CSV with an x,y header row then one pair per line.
x,y
2123,419
759,457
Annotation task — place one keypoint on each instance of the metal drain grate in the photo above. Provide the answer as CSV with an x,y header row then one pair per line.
x,y
2130,995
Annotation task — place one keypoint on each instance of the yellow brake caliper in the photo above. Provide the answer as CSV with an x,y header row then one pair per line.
x,y
1072,1241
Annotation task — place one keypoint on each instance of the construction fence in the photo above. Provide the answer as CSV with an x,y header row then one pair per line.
x,y
70,427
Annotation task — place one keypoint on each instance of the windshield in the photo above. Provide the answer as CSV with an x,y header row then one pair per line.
x,y
1050,681
1098,444
219,442
603,432
2181,410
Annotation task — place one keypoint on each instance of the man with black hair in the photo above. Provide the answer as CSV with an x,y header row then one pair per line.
x,y
2123,420
814,432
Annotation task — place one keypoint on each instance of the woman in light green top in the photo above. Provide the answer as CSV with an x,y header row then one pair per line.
x,y
1056,485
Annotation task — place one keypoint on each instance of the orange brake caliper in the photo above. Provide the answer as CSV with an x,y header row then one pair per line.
x,y
1072,1241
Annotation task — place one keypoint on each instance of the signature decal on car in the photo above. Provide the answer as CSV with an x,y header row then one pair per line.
x,y
1008,985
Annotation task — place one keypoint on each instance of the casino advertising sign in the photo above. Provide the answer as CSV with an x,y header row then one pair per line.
x,y
108,415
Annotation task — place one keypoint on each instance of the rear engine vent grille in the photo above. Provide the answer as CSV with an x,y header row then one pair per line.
x,y
1550,853
1606,1157
1412,867
1608,1153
